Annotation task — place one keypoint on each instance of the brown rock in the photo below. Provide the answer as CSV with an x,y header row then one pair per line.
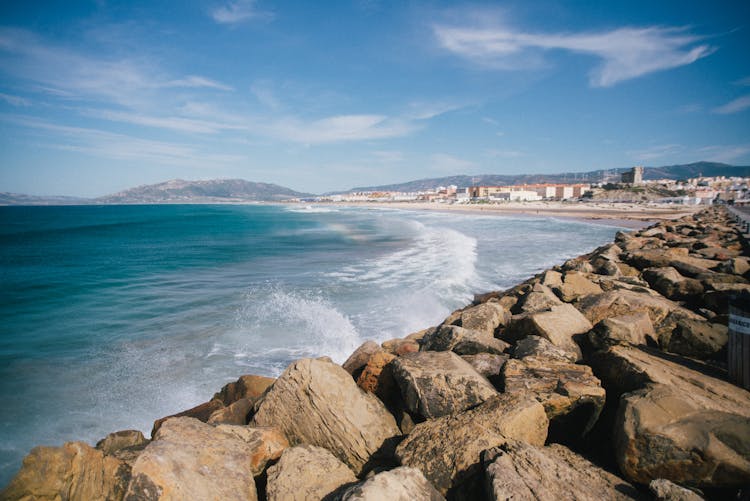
x,y
635,328
306,472
434,384
318,403
236,413
462,341
73,471
671,284
488,365
516,470
121,440
536,346
200,412
357,360
400,346
664,490
374,380
248,386
399,484
558,325
540,298
485,318
447,449
702,340
575,285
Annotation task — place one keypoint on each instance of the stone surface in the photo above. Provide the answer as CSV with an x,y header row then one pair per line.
x,y
447,449
664,490
306,472
540,298
575,285
399,484
536,346
189,459
635,328
516,470
675,420
236,413
462,341
488,365
434,384
121,440
200,412
357,360
400,346
248,386
558,325
74,471
318,403
572,396
374,380
485,318
702,340
668,282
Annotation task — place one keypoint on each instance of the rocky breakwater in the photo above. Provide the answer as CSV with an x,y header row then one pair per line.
x,y
602,378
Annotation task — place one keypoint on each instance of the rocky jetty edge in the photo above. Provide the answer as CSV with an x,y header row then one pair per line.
x,y
602,378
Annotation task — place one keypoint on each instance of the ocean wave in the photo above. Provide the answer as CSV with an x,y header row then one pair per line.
x,y
309,209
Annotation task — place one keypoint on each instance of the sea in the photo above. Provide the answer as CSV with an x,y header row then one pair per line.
x,y
114,316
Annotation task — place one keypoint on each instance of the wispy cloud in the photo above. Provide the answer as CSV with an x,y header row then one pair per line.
x,y
724,153
734,106
175,123
195,81
388,156
496,153
655,152
15,100
336,129
444,162
239,11
625,53
426,111
744,82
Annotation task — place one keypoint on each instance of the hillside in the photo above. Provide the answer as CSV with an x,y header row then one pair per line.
x,y
21,199
215,190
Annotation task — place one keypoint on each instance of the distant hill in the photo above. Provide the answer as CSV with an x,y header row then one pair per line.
x,y
21,199
212,191
666,172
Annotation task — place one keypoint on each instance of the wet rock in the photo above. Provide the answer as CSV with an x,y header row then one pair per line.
x,y
516,470
664,490
306,472
73,471
635,328
536,346
696,339
447,450
357,360
318,403
671,284
434,384
558,325
462,341
399,484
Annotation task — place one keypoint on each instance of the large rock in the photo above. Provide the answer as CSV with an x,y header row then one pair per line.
x,y
575,285
236,413
536,346
447,449
318,403
635,328
120,440
677,421
357,360
73,471
697,339
191,460
540,298
671,284
201,412
399,484
434,384
306,472
374,380
462,341
488,365
558,325
572,396
248,386
664,490
516,470
485,318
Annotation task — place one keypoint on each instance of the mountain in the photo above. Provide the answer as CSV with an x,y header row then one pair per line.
x,y
675,172
212,191
21,199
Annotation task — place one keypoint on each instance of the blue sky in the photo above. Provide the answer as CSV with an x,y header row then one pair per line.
x,y
100,96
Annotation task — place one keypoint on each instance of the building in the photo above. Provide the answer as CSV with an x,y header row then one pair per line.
x,y
633,176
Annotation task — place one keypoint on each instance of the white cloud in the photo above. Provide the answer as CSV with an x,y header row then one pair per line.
x,y
444,162
195,81
504,153
735,106
388,156
724,153
426,111
335,129
179,124
625,53
655,152
238,11
265,96
15,100
744,82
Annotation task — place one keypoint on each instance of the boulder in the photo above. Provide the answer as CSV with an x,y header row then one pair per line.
x,y
237,413
306,472
671,284
571,395
516,470
357,360
400,346
462,341
488,365
558,325
248,386
399,484
664,490
575,285
485,318
702,340
374,380
540,298
434,384
447,450
318,403
551,278
121,440
736,266
537,346
675,420
189,459
73,471
635,328
200,412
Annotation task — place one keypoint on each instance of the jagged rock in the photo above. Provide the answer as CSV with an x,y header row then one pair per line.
x,y
571,395
462,341
678,422
718,253
318,403
578,264
236,413
697,339
660,258
664,490
400,346
516,470
558,325
540,298
306,472
488,365
536,346
248,386
735,266
485,318
671,284
73,471
635,328
357,360
434,384
447,449
550,278
575,285
121,440
374,380
399,484
200,412
191,460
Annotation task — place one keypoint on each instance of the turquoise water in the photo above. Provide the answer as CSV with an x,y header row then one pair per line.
x,y
113,316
